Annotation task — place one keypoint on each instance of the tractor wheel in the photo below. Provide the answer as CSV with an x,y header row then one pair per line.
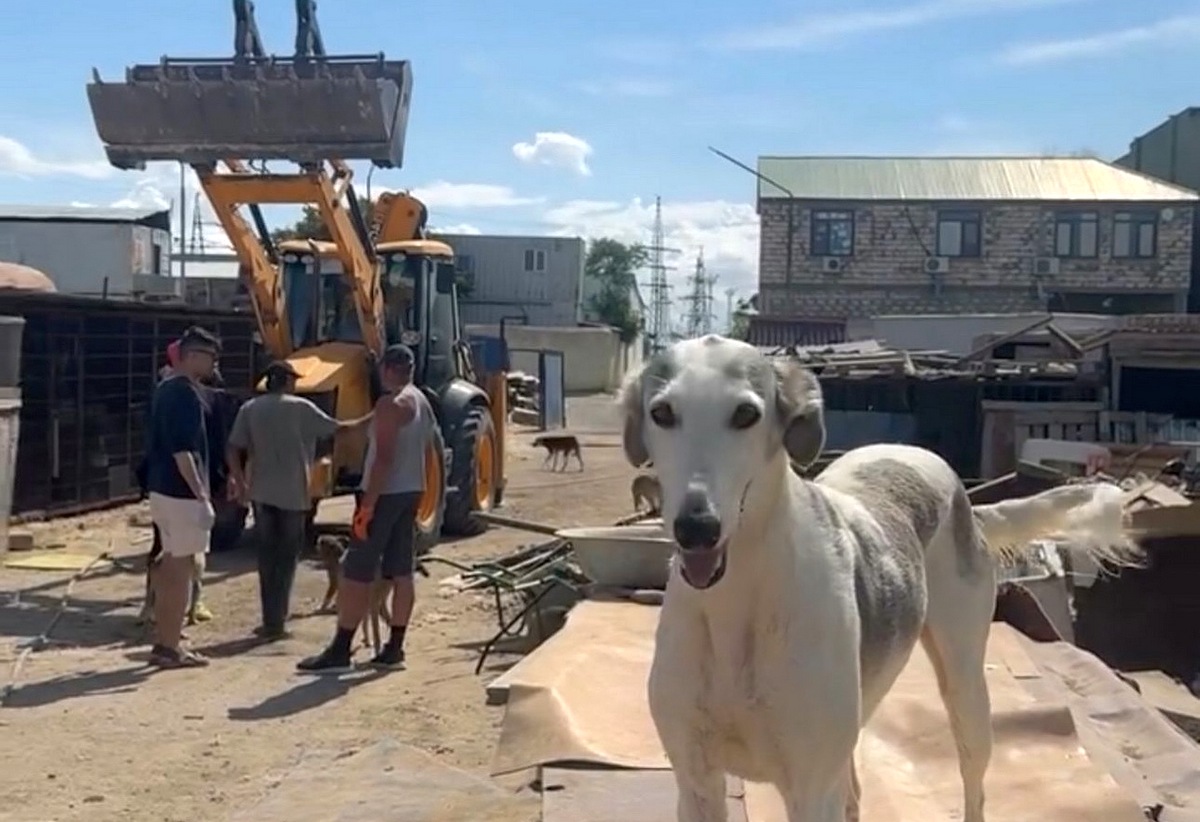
x,y
431,511
472,474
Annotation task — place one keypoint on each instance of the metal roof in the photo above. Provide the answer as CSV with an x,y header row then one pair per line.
x,y
80,213
1053,179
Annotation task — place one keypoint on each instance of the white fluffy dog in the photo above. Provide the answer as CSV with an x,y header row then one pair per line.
x,y
793,605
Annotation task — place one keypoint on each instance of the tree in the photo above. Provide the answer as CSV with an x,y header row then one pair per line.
x,y
739,326
613,265
312,226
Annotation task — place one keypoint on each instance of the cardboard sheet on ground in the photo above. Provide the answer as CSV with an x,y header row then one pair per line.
x,y
49,561
388,780
581,698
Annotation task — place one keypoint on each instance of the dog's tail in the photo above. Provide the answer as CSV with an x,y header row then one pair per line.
x,y
1090,516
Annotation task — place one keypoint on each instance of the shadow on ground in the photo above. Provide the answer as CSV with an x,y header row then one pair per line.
x,y
75,686
312,693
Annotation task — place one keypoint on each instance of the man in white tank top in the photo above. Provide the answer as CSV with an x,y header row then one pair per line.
x,y
384,528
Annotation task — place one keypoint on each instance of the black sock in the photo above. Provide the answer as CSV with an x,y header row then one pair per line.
x,y
342,641
396,640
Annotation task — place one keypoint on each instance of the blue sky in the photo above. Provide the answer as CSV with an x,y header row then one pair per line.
x,y
626,97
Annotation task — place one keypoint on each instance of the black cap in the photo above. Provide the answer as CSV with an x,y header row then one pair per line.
x,y
397,355
282,367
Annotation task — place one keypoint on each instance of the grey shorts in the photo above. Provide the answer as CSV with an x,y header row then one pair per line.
x,y
389,549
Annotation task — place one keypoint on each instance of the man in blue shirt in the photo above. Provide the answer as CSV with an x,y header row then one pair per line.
x,y
177,477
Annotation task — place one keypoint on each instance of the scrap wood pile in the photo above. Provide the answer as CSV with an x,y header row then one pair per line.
x,y
863,358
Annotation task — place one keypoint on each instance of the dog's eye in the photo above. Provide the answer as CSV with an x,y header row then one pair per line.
x,y
663,415
745,415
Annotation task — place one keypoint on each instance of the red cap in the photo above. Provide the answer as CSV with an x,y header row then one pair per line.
x,y
173,354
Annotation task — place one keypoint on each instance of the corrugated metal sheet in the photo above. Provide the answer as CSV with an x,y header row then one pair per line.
x,y
87,214
495,266
777,331
962,178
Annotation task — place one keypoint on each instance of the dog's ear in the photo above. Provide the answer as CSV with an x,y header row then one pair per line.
x,y
799,407
631,402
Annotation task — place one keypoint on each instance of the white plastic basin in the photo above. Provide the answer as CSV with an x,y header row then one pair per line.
x,y
626,556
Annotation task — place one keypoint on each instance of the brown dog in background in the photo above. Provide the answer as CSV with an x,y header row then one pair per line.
x,y
556,445
645,488
330,550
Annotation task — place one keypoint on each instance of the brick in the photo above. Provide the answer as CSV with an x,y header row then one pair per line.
x,y
887,274
20,540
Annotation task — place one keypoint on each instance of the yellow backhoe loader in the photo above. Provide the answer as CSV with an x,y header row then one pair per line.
x,y
329,308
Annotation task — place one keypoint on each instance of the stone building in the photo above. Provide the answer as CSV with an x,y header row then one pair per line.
x,y
880,235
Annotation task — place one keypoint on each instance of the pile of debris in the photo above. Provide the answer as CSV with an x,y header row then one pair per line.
x,y
524,405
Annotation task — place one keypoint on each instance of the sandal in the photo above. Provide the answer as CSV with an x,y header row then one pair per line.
x,y
176,658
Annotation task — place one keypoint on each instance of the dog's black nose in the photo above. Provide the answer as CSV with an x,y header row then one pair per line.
x,y
697,526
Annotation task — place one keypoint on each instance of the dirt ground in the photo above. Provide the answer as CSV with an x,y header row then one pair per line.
x,y
99,735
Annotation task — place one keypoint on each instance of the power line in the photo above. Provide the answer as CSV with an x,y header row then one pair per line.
x,y
658,329
699,320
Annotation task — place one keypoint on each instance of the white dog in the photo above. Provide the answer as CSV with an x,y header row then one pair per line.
x,y
793,605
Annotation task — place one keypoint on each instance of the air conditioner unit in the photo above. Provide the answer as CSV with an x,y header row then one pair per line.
x,y
937,265
1045,266
832,265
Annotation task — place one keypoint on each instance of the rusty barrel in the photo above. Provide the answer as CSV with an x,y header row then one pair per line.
x,y
303,110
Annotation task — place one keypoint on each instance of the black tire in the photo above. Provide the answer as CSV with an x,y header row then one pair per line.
x,y
430,532
460,503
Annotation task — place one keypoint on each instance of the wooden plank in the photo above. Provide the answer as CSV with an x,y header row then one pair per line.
x,y
1054,407
611,795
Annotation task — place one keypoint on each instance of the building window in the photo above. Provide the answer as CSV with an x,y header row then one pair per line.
x,y
958,234
535,260
832,233
1135,234
1076,234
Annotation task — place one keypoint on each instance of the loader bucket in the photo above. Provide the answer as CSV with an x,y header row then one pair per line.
x,y
303,110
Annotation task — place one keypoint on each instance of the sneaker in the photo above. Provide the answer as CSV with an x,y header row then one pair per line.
x,y
389,659
200,614
328,661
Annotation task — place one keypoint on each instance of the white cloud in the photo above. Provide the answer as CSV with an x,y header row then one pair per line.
x,y
628,87
17,160
158,188
464,196
556,149
727,231
823,30
1172,31
957,135
457,228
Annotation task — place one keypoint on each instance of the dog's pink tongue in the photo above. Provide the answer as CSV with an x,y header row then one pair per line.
x,y
700,566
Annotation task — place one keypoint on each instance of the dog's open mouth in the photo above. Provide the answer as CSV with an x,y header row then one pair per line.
x,y
702,568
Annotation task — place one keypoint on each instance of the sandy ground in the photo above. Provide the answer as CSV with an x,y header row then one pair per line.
x,y
91,732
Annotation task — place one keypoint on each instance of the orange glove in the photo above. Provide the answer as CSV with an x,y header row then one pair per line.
x,y
361,520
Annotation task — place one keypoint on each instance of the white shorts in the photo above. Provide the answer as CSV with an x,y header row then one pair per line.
x,y
179,524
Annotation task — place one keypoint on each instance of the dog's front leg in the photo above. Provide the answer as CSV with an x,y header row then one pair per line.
x,y
853,793
701,795
818,806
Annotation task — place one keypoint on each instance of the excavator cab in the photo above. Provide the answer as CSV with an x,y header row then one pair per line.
x,y
421,307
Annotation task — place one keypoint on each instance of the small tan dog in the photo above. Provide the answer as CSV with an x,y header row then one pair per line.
x,y
330,550
645,488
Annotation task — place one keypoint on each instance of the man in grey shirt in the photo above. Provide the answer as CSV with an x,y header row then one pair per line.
x,y
278,432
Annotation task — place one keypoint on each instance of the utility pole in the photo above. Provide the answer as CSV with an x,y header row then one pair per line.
x,y
658,329
729,293
699,319
182,226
